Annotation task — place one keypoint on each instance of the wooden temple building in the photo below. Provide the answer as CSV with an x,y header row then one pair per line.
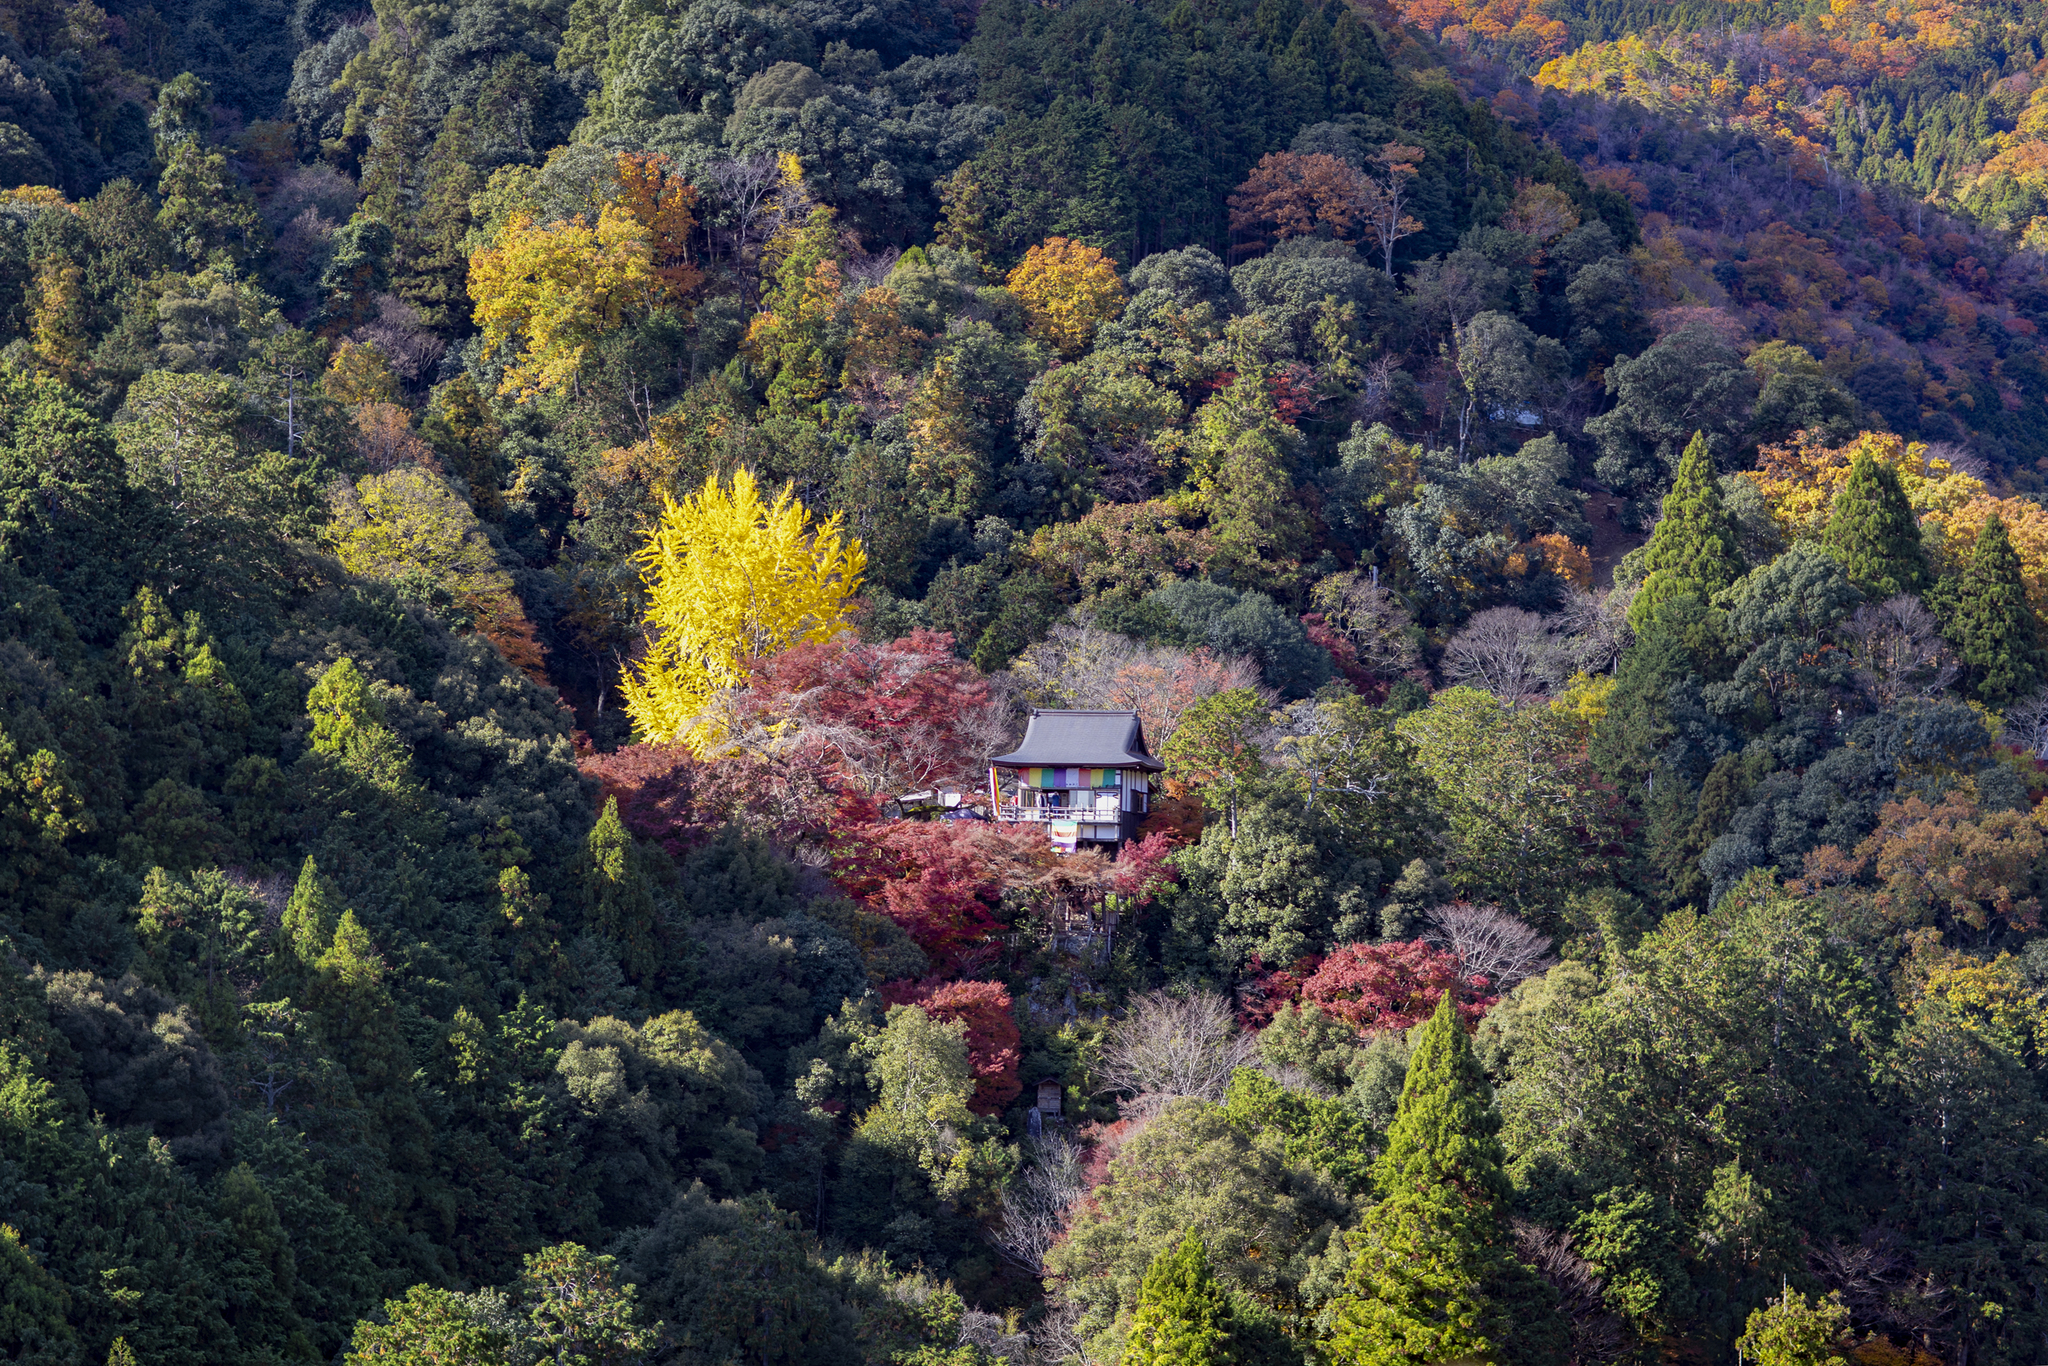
x,y
1085,775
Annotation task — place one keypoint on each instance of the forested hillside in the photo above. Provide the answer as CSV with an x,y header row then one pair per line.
x,y
511,513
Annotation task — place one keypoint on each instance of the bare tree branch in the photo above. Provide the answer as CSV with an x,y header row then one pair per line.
x,y
1597,1335
1899,651
1035,1204
2026,724
1169,1046
1504,650
1489,942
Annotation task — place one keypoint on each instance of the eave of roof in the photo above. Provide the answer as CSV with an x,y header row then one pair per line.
x,y
1082,739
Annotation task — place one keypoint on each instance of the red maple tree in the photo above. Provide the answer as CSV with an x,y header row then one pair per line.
x,y
1393,985
994,1046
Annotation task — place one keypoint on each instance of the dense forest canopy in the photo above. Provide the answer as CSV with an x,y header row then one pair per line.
x,y
522,525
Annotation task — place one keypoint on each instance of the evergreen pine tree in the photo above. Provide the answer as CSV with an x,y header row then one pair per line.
x,y
352,957
1873,533
620,897
1434,1278
1184,1317
1986,616
1694,549
307,927
429,267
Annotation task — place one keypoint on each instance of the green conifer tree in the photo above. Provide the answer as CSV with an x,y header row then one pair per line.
x,y
619,896
1794,1331
349,727
1873,532
1184,1317
430,267
307,927
1434,1278
352,957
1694,550
1986,616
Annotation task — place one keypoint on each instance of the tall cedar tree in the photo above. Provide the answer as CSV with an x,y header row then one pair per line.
x,y
1184,1316
1694,549
1985,615
1435,1276
619,897
1874,533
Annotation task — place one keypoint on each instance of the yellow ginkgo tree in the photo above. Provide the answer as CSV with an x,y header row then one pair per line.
x,y
543,294
730,578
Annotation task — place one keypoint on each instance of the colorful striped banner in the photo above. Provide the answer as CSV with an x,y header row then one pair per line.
x,y
1073,777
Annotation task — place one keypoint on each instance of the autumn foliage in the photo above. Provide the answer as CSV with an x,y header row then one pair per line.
x,y
664,204
544,294
993,1041
1394,985
1070,289
732,577
1292,195
896,714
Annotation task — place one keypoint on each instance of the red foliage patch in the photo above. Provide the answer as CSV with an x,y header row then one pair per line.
x,y
934,878
1293,387
892,714
993,1043
1395,985
1265,990
671,797
1141,871
656,788
1345,653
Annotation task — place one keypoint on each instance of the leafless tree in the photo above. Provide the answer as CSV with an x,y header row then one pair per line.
x,y
1078,665
1056,1339
997,724
746,191
1489,942
1878,1281
1962,460
318,189
1597,1335
301,240
1899,651
864,267
2026,724
1377,624
1592,630
1171,1045
412,348
1130,470
1504,650
988,1332
1035,1204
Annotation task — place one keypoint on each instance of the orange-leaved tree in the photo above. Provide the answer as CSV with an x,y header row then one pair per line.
x,y
1070,289
664,204
1291,195
1385,200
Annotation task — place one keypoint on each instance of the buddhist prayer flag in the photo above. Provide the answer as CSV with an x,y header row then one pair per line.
x,y
1073,777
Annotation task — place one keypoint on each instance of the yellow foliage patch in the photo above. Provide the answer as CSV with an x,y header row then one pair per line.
x,y
731,578
1070,289
543,294
1799,480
